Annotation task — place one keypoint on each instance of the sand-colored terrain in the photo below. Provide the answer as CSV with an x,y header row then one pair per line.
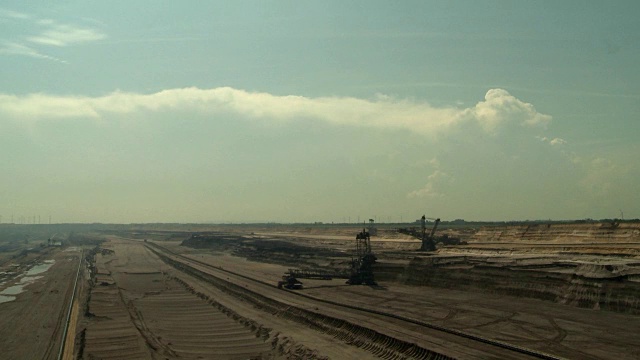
x,y
553,325
138,311
34,296
508,292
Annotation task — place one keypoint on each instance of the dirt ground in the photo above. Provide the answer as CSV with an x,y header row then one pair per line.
x,y
568,291
558,329
141,308
31,322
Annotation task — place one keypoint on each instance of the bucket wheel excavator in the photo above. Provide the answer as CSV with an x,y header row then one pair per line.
x,y
360,271
427,241
362,262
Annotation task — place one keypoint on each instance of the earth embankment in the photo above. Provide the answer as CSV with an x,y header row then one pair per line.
x,y
593,266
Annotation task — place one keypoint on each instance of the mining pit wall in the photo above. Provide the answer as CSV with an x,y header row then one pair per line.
x,y
559,233
528,265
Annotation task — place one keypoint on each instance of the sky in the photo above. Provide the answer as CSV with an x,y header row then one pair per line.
x,y
331,111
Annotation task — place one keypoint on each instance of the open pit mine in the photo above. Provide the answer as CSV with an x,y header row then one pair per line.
x,y
426,290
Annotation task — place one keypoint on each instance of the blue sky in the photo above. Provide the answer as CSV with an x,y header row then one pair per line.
x,y
319,111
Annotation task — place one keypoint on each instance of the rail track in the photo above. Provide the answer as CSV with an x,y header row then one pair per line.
x,y
61,328
378,343
61,352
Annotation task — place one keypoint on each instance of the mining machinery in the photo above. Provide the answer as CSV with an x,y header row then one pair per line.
x,y
362,262
360,271
427,241
290,281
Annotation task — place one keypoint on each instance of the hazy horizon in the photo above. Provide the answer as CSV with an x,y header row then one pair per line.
x,y
292,112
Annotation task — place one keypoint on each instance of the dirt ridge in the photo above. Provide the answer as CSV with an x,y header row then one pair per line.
x,y
284,345
375,342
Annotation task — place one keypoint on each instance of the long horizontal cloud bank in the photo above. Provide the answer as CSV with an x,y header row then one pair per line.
x,y
493,159
498,108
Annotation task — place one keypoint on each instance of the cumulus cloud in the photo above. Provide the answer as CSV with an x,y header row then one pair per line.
x,y
498,108
430,189
557,141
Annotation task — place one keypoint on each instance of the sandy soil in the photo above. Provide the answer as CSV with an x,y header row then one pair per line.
x,y
553,328
588,266
31,325
142,308
569,291
156,300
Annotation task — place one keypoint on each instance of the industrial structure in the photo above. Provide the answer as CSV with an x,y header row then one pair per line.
x,y
290,281
360,272
362,261
373,231
427,241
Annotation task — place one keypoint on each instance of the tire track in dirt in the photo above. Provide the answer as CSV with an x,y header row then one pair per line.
x,y
451,314
505,318
138,321
562,333
110,332
139,312
277,308
281,344
373,341
183,325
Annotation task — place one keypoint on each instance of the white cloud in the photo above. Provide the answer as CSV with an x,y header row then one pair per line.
x,y
447,170
64,34
557,141
37,106
427,191
10,48
500,107
5,13
383,112
553,142
430,189
48,33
